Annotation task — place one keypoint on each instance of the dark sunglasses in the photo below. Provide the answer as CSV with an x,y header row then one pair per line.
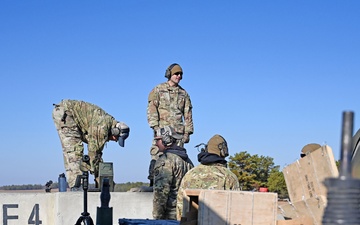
x,y
178,73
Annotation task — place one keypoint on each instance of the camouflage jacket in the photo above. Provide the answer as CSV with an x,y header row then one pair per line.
x,y
213,176
168,172
170,106
93,121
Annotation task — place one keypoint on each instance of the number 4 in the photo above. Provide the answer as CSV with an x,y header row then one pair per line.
x,y
34,216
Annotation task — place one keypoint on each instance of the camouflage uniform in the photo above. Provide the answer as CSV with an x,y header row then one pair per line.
x,y
77,122
169,170
169,106
213,176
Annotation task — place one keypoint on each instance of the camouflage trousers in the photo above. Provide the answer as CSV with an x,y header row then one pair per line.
x,y
72,140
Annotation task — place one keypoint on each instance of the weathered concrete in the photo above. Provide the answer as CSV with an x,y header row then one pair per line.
x,y
62,208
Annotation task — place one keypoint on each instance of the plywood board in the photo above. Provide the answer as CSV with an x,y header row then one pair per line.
x,y
237,207
305,183
304,178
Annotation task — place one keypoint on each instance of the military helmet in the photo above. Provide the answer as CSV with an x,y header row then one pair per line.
x,y
309,148
172,69
218,145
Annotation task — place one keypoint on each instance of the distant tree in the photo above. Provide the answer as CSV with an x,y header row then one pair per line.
x,y
253,171
337,163
22,187
124,187
276,183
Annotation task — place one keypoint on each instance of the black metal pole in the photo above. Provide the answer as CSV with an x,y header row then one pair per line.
x,y
85,216
85,188
343,193
346,145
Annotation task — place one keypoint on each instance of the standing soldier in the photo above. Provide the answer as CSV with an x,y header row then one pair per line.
x,y
169,105
77,122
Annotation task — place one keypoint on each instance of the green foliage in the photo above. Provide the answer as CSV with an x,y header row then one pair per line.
x,y
124,187
254,171
22,187
276,183
337,163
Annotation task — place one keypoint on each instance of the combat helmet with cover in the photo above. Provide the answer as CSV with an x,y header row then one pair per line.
x,y
217,145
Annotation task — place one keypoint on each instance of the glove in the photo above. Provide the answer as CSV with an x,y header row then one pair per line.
x,y
84,166
186,138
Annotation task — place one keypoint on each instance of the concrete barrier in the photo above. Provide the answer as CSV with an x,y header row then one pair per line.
x,y
64,208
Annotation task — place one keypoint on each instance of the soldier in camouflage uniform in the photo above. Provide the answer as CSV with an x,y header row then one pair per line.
x,y
168,171
77,122
212,173
169,105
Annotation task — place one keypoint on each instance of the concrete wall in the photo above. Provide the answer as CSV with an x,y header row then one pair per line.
x,y
64,208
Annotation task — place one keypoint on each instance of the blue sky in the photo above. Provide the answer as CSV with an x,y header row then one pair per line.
x,y
270,76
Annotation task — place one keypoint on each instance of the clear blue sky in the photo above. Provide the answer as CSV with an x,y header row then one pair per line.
x,y
270,76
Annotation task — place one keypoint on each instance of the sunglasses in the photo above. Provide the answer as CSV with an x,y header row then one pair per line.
x,y
178,73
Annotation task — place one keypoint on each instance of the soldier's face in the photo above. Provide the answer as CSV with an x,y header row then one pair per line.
x,y
176,78
113,138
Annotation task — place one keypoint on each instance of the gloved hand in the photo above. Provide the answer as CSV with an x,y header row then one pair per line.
x,y
85,166
186,138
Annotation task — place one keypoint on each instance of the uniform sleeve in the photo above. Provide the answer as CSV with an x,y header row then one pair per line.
x,y
189,126
162,182
152,109
234,182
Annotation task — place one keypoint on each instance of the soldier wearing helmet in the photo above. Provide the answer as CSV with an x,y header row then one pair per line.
x,y
308,149
169,105
211,173
79,122
169,169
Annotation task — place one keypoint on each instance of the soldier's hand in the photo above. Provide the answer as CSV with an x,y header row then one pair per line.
x,y
85,166
186,138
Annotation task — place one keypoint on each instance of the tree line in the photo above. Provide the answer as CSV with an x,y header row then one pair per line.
x,y
253,172
123,187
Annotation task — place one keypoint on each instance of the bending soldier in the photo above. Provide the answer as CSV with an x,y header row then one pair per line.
x,y
79,122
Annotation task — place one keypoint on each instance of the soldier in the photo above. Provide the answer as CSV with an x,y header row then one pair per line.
x,y
212,173
169,105
77,122
168,171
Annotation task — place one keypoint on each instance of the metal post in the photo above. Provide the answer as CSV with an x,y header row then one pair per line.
x,y
343,193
